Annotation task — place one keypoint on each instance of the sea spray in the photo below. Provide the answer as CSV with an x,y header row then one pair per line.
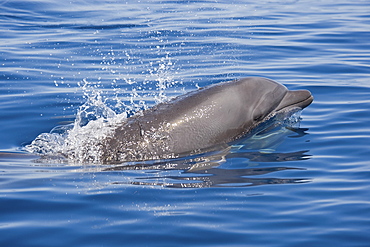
x,y
97,118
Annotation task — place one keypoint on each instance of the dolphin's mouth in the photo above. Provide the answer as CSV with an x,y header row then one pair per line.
x,y
295,99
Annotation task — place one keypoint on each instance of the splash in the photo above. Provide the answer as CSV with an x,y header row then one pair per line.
x,y
103,111
80,140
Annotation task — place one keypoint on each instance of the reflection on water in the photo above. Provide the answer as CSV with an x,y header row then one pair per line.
x,y
195,173
232,178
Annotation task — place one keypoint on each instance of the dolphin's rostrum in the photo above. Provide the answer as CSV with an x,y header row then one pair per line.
x,y
199,120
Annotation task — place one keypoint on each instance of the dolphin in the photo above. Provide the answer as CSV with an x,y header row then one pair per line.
x,y
200,120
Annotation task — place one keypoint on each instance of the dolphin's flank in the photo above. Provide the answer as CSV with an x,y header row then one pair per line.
x,y
210,116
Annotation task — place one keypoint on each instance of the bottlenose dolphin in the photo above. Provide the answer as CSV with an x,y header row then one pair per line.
x,y
199,120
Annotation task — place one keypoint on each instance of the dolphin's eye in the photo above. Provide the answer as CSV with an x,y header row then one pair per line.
x,y
258,117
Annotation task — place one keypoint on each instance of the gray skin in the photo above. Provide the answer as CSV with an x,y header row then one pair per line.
x,y
199,120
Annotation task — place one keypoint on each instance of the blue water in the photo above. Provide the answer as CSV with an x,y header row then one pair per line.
x,y
299,185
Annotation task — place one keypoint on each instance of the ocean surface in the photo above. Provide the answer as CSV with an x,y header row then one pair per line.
x,y
65,65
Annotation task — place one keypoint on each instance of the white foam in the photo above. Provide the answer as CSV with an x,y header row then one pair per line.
x,y
81,142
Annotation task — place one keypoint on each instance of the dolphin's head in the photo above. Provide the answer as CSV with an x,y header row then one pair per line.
x,y
295,99
269,98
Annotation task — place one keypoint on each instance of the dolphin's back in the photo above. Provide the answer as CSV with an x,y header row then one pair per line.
x,y
212,115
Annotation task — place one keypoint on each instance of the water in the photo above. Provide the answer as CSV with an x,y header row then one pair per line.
x,y
305,185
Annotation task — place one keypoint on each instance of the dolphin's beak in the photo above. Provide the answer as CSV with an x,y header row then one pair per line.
x,y
299,98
